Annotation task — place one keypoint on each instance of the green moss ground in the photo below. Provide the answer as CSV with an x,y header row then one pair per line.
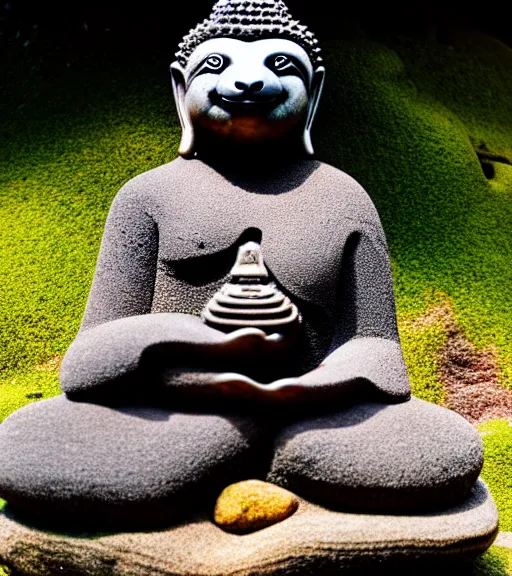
x,y
497,471
402,115
422,105
497,561
423,338
4,571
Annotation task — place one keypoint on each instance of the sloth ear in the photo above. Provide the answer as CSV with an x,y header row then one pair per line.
x,y
186,148
317,85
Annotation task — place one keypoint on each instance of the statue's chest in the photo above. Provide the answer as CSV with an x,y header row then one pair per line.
x,y
302,242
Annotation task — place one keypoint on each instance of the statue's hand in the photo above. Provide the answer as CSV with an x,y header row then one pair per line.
x,y
239,386
356,368
254,342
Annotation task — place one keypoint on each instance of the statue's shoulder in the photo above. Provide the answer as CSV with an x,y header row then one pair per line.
x,y
153,179
343,181
345,194
155,185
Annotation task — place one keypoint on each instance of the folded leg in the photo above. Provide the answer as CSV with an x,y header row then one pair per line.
x,y
120,468
377,457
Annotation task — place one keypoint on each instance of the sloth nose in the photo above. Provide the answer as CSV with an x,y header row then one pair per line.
x,y
243,83
254,87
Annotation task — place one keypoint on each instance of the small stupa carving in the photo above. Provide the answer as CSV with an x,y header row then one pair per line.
x,y
250,298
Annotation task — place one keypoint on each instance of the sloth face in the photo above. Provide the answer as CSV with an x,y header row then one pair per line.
x,y
248,91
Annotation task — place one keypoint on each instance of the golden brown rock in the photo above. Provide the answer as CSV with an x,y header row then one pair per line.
x,y
252,505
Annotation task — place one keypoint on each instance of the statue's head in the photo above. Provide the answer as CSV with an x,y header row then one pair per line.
x,y
249,74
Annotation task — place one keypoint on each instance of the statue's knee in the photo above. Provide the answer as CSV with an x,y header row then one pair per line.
x,y
409,456
90,462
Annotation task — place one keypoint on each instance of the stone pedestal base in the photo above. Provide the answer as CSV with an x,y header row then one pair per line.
x,y
312,541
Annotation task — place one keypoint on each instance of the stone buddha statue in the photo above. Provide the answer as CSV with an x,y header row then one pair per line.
x,y
241,321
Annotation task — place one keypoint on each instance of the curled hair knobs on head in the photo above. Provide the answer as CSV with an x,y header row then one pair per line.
x,y
250,20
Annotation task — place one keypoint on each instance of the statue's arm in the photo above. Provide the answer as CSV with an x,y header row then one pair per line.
x,y
366,346
114,330
125,271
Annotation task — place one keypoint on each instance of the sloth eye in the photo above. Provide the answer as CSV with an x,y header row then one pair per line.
x,y
215,62
281,62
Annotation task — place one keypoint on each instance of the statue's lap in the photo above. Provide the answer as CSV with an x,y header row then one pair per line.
x,y
74,458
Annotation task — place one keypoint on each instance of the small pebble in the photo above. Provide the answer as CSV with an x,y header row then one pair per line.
x,y
251,505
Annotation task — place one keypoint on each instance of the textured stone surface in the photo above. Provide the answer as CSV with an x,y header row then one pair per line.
x,y
311,541
251,505
409,456
169,241
86,462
